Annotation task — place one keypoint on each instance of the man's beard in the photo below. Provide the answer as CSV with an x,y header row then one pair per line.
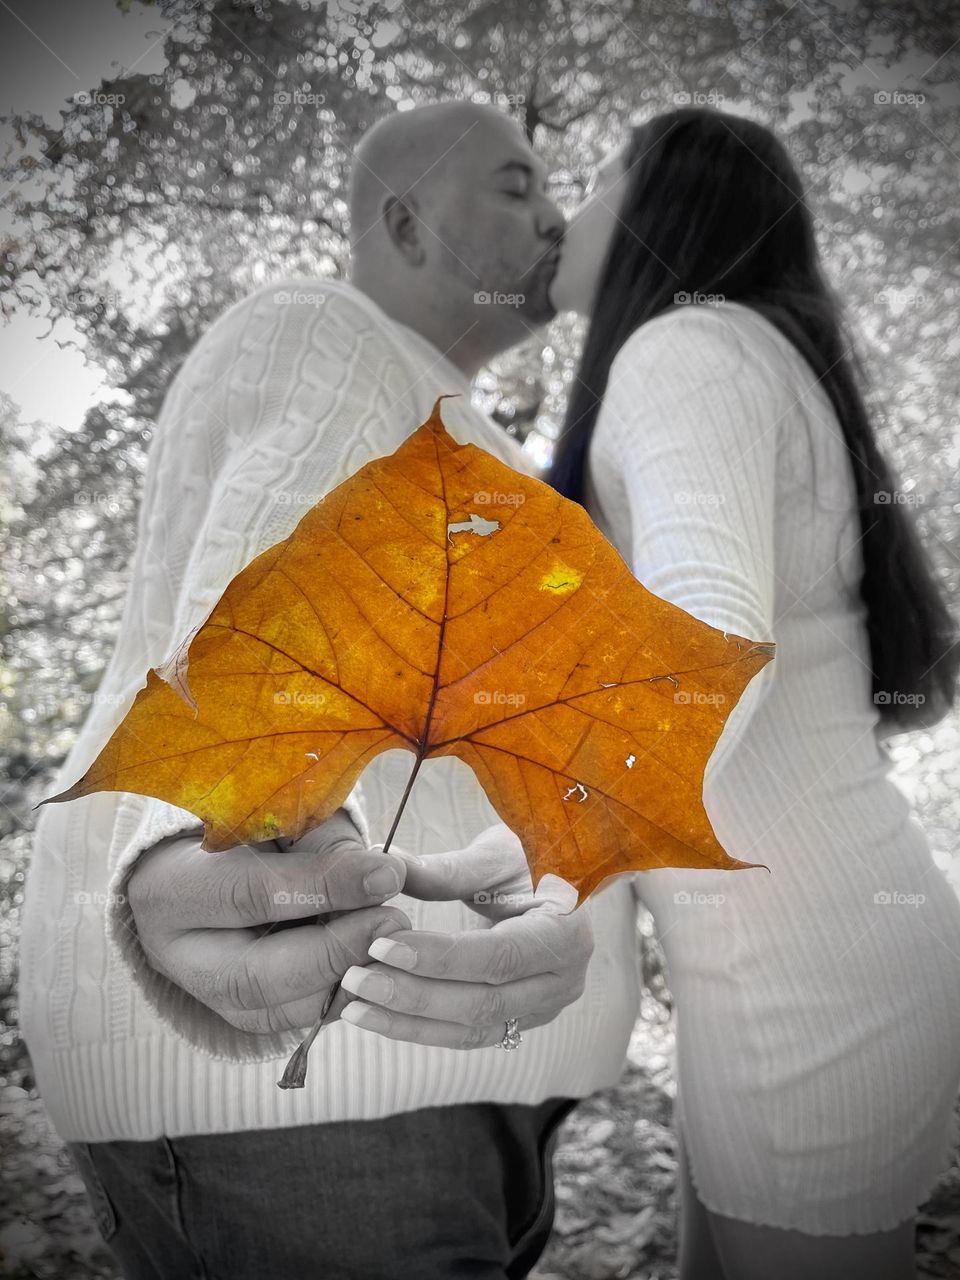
x,y
494,282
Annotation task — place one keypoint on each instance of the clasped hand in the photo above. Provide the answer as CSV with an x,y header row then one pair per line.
x,y
260,935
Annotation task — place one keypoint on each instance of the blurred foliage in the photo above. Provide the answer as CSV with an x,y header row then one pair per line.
x,y
163,198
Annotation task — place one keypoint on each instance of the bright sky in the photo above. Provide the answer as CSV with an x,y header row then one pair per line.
x,y
52,50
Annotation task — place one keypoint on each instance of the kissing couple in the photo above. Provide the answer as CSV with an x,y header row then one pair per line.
x,y
717,434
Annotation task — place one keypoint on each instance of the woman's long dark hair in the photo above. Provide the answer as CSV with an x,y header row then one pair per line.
x,y
715,206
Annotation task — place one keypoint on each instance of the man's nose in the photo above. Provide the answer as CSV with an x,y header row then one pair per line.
x,y
551,223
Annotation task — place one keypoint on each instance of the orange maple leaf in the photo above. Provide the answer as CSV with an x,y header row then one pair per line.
x,y
440,602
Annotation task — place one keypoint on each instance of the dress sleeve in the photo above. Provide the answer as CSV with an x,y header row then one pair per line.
x,y
330,394
690,417
688,425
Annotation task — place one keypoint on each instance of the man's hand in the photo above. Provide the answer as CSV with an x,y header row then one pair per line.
x,y
458,990
208,921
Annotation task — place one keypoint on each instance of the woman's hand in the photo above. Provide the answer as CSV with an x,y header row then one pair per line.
x,y
457,990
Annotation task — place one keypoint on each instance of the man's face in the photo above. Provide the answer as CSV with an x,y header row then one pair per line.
x,y
491,225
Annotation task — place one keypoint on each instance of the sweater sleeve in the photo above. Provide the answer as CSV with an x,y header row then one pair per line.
x,y
330,391
688,423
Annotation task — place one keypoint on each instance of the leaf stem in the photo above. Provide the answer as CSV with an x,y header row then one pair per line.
x,y
295,1073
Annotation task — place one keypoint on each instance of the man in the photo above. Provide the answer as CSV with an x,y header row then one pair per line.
x,y
158,1054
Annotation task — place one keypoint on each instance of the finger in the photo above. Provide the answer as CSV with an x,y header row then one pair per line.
x,y
539,941
467,1003
463,873
446,1035
250,969
491,874
182,886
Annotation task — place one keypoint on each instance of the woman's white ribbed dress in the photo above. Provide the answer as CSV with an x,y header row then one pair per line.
x,y
818,1005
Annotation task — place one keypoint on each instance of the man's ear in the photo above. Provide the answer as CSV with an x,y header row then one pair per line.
x,y
404,228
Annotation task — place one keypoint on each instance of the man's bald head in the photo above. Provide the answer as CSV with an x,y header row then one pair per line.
x,y
404,151
452,229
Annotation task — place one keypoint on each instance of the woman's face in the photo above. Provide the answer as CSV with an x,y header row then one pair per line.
x,y
588,236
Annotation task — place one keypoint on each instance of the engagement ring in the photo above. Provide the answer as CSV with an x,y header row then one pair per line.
x,y
512,1038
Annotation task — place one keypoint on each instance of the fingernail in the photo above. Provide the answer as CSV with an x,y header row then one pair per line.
x,y
365,1015
377,987
381,882
390,952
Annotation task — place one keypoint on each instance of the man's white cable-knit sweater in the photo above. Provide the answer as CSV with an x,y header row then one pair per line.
x,y
290,392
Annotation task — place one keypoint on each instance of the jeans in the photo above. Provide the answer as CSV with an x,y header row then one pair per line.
x,y
434,1194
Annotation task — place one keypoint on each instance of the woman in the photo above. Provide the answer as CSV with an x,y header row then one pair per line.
x,y
717,434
